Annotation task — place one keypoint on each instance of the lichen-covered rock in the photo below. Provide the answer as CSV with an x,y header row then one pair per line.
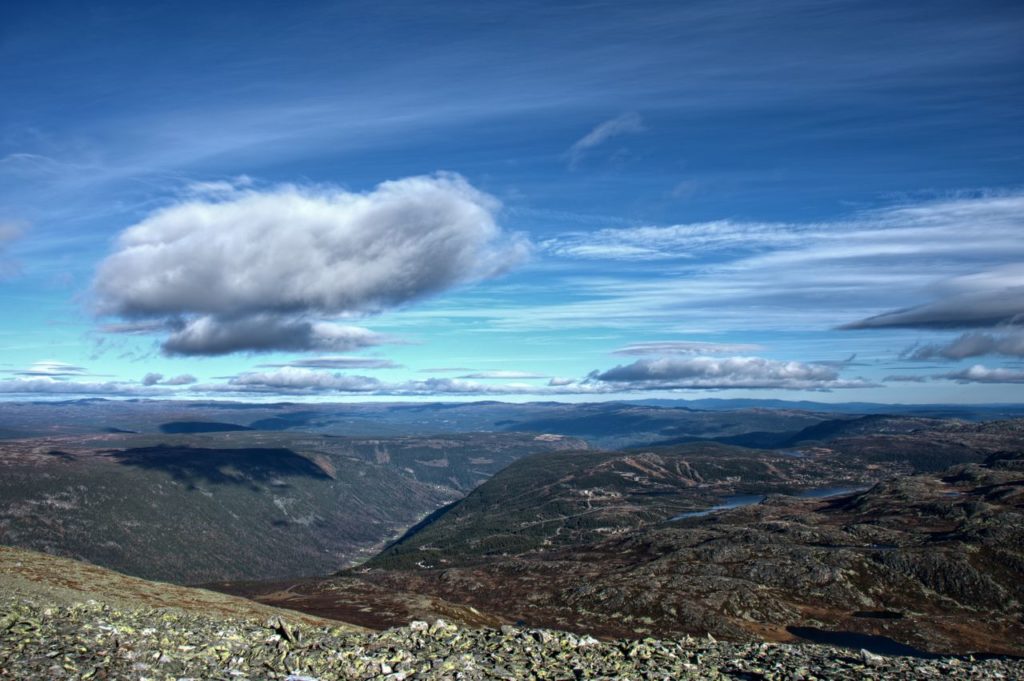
x,y
93,641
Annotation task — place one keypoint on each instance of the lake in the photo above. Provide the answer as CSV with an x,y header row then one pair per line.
x,y
739,500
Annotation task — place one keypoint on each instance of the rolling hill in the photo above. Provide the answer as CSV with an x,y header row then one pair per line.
x,y
600,542
237,505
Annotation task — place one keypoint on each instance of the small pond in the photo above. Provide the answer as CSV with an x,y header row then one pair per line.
x,y
879,645
739,500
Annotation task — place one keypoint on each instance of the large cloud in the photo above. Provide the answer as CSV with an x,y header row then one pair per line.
x,y
968,310
972,344
212,335
717,373
258,271
983,299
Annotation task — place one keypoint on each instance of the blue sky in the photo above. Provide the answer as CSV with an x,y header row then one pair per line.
x,y
348,200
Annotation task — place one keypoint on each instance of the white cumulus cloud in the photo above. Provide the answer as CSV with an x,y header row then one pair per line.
x,y
153,378
50,386
979,373
673,373
260,270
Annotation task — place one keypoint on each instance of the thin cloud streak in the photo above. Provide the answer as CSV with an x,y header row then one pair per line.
x,y
504,375
627,123
685,348
790,277
336,363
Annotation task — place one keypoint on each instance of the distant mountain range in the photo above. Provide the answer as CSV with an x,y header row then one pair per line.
x,y
612,519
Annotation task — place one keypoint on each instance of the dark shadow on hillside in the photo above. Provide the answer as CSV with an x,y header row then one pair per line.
x,y
429,520
221,466
295,419
753,440
593,425
180,427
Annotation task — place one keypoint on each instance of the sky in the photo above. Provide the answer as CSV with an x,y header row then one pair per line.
x,y
515,200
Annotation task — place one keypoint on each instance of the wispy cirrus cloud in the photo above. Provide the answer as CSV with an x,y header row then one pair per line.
x,y
443,370
53,377
905,378
685,348
337,362
503,375
218,188
52,369
726,275
259,270
673,241
10,231
625,124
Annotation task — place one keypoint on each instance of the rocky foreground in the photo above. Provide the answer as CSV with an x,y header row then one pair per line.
x,y
95,641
